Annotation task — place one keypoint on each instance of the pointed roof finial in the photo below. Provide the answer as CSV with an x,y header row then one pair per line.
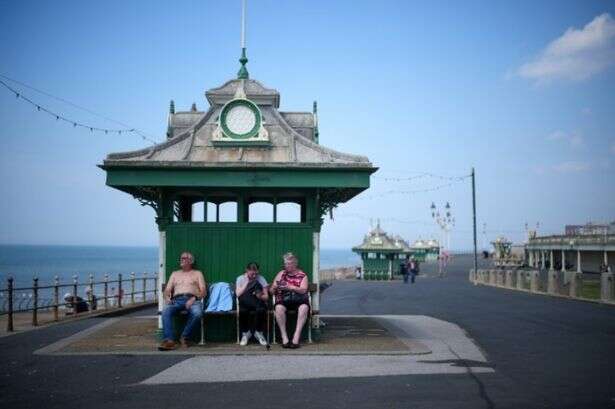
x,y
172,107
193,107
243,71
315,113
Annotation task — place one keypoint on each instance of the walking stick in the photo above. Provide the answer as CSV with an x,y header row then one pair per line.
x,y
268,346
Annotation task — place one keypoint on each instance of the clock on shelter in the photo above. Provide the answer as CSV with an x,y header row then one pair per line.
x,y
219,165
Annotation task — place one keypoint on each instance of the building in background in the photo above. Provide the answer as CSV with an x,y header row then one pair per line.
x,y
590,229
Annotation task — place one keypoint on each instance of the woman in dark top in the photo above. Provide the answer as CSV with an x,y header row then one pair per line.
x,y
252,291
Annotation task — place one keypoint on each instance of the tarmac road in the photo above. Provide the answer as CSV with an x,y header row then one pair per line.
x,y
546,352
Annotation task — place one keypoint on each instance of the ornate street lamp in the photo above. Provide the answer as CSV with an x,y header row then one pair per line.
x,y
446,221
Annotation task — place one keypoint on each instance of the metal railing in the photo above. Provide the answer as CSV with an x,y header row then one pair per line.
x,y
31,300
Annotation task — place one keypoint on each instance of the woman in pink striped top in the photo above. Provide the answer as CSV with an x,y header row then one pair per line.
x,y
290,287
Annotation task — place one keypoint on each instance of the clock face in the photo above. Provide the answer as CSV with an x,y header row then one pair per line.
x,y
240,119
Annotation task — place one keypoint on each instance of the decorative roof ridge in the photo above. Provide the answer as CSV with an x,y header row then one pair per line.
x,y
238,165
271,91
313,145
188,112
163,145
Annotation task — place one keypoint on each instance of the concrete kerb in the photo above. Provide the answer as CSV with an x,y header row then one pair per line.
x,y
553,282
520,280
607,292
485,277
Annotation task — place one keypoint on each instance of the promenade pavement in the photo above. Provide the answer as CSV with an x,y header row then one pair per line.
x,y
512,349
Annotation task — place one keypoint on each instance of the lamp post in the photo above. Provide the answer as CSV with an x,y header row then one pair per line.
x,y
445,221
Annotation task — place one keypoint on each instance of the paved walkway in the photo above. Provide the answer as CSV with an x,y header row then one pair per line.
x,y
447,351
498,349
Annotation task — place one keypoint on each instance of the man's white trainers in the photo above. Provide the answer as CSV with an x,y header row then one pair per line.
x,y
244,338
260,338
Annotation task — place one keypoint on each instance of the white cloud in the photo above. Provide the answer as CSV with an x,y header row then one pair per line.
x,y
577,54
573,139
571,167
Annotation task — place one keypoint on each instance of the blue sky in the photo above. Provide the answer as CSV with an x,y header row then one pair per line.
x,y
523,91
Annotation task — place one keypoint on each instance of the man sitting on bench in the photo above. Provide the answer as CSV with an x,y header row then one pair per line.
x,y
182,293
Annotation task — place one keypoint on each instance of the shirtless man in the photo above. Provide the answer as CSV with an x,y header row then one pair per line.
x,y
182,292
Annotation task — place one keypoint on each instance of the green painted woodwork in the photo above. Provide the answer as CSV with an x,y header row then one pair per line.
x,y
354,180
371,264
222,250
235,103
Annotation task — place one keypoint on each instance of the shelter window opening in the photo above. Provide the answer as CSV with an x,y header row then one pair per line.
x,y
289,212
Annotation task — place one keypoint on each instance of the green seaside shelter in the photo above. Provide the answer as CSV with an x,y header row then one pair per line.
x,y
381,254
241,181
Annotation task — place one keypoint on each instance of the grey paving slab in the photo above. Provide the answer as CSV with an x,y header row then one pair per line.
x,y
451,352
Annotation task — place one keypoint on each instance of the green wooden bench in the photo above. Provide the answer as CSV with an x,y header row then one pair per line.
x,y
312,288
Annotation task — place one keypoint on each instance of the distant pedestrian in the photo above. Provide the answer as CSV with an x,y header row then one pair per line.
x,y
414,269
357,273
75,303
403,269
442,263
92,299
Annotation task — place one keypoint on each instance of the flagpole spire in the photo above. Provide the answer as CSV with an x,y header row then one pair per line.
x,y
243,71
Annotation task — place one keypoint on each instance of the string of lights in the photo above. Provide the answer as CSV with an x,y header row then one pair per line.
x,y
419,222
420,176
60,117
408,192
384,219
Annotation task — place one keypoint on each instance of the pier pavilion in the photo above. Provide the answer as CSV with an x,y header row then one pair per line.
x,y
219,169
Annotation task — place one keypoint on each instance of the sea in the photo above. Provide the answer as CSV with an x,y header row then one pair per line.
x,y
23,263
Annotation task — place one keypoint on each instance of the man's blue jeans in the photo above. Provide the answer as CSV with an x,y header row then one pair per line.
x,y
176,306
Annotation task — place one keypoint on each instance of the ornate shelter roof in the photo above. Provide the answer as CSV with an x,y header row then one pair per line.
x,y
292,138
379,241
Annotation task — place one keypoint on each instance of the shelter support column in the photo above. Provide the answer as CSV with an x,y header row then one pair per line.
x,y
362,266
163,218
316,277
551,259
162,254
563,261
